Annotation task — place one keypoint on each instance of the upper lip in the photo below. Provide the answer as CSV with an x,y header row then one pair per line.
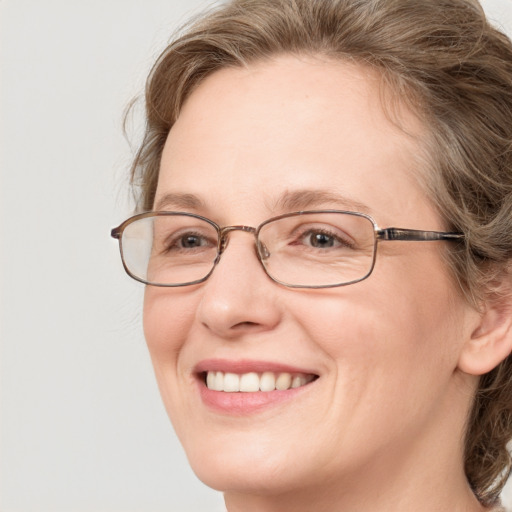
x,y
248,365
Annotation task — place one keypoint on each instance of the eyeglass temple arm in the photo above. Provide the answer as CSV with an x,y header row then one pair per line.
x,y
115,233
416,235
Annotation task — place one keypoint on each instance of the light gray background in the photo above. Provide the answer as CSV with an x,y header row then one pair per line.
x,y
82,426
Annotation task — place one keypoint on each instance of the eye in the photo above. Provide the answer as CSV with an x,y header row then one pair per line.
x,y
322,238
190,241
187,242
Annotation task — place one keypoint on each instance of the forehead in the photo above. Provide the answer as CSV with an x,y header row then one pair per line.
x,y
255,133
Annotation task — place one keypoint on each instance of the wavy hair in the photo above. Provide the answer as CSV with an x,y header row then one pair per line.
x,y
453,69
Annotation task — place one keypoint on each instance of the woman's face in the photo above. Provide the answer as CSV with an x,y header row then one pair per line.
x,y
382,354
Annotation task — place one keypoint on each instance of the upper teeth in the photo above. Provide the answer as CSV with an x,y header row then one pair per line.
x,y
251,382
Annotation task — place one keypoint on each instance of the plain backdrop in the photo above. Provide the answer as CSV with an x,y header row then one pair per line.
x,y
82,427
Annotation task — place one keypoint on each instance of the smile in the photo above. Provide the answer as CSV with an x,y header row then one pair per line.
x,y
242,387
253,382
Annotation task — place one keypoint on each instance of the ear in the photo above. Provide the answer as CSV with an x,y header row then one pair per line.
x,y
490,339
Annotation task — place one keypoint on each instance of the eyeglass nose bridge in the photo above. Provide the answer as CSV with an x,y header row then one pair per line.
x,y
261,249
224,239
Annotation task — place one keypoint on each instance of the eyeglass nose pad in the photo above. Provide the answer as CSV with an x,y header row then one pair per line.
x,y
263,251
223,243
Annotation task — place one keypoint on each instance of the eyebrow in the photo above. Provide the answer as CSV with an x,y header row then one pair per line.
x,y
298,200
289,201
179,201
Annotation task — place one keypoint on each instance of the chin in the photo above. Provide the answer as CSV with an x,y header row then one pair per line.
x,y
247,477
249,466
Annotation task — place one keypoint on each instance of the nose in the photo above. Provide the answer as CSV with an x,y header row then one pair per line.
x,y
239,298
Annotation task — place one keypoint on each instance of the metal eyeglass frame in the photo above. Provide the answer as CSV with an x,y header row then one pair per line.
x,y
384,234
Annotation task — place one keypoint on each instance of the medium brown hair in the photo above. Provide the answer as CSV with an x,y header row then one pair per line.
x,y
453,69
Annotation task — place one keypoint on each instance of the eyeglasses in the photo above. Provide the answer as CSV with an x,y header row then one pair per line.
x,y
307,249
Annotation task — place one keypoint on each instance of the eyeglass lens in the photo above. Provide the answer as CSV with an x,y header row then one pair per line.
x,y
309,249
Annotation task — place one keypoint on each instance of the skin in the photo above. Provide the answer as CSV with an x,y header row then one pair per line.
x,y
382,426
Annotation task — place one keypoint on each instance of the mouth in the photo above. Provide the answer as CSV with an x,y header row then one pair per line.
x,y
242,388
253,382
246,386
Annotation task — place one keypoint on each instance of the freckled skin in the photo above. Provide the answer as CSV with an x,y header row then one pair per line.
x,y
382,426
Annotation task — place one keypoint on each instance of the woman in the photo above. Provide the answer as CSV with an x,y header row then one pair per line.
x,y
309,356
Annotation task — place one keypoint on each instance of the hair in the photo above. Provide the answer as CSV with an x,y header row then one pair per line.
x,y
454,70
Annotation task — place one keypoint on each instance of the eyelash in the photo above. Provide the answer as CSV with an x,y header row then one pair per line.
x,y
329,233
172,242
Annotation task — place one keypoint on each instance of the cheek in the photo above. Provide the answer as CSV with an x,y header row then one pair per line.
x,y
168,318
389,334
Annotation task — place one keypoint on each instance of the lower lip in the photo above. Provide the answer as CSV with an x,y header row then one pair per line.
x,y
241,403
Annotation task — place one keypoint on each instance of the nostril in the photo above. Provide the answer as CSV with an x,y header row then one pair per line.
x,y
245,325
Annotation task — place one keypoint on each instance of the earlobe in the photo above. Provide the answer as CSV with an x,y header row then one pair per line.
x,y
490,342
